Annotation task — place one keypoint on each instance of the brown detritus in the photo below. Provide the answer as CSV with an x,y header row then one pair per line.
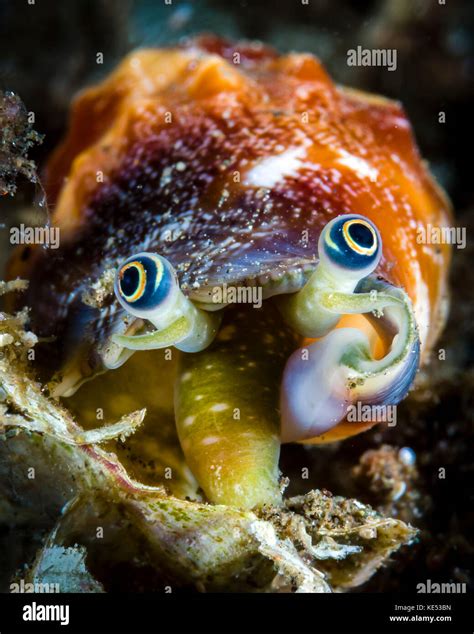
x,y
16,138
349,540
99,290
13,328
388,476
13,285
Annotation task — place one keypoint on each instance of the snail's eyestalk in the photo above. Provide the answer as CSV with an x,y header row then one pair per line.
x,y
147,287
323,380
349,250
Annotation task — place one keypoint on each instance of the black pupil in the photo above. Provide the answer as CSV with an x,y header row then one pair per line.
x,y
129,281
361,235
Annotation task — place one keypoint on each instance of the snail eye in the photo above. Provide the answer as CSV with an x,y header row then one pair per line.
x,y
132,281
143,282
351,243
360,236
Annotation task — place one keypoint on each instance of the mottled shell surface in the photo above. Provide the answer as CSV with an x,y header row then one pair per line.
x,y
228,160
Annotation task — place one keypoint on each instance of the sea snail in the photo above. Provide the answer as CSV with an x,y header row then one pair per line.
x,y
184,174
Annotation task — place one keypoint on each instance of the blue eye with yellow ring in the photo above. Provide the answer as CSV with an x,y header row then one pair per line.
x,y
351,243
143,282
